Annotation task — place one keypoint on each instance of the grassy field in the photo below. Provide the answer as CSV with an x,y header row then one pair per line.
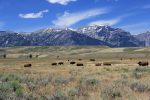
x,y
123,80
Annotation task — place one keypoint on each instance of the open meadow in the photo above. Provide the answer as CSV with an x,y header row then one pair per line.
x,y
74,73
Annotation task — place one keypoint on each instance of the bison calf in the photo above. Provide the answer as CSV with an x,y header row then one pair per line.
x,y
27,65
142,63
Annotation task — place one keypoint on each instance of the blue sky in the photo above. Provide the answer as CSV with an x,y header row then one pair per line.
x,y
29,15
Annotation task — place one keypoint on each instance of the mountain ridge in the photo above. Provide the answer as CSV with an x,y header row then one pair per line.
x,y
88,35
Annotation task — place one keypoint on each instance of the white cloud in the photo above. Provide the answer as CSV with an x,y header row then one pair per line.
x,y
34,15
106,22
68,19
62,2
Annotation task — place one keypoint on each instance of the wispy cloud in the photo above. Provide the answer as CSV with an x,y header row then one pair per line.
x,y
69,19
110,22
106,22
137,28
34,15
146,6
1,25
62,2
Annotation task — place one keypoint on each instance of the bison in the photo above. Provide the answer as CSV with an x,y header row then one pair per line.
x,y
4,56
80,59
92,59
80,64
72,63
54,64
61,63
107,64
98,64
142,63
27,65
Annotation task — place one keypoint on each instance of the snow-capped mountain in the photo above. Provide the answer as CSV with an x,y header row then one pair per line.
x,y
114,36
90,35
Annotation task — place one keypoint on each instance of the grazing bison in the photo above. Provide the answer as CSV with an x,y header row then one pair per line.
x,y
30,56
72,63
60,63
142,63
98,64
79,59
54,64
106,64
27,65
92,59
80,64
4,56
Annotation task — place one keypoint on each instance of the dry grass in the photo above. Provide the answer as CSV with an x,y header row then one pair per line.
x,y
121,81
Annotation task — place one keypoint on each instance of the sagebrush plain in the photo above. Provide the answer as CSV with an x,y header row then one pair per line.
x,y
124,79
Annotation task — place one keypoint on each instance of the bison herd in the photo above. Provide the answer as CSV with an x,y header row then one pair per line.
x,y
140,63
81,64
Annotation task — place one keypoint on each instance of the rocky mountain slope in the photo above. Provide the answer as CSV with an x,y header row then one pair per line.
x,y
90,35
144,37
114,36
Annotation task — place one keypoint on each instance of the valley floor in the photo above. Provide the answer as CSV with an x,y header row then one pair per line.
x,y
122,80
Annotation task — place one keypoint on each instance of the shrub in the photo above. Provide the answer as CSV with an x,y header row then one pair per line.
x,y
111,92
59,81
89,83
58,95
73,92
142,69
11,88
17,88
137,75
139,87
10,77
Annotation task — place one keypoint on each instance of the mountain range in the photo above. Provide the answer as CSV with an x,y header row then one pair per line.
x,y
89,35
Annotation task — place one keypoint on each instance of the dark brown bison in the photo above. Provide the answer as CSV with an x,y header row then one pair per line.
x,y
72,63
54,64
80,64
61,63
80,59
106,64
142,63
98,64
30,56
4,56
27,65
92,59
